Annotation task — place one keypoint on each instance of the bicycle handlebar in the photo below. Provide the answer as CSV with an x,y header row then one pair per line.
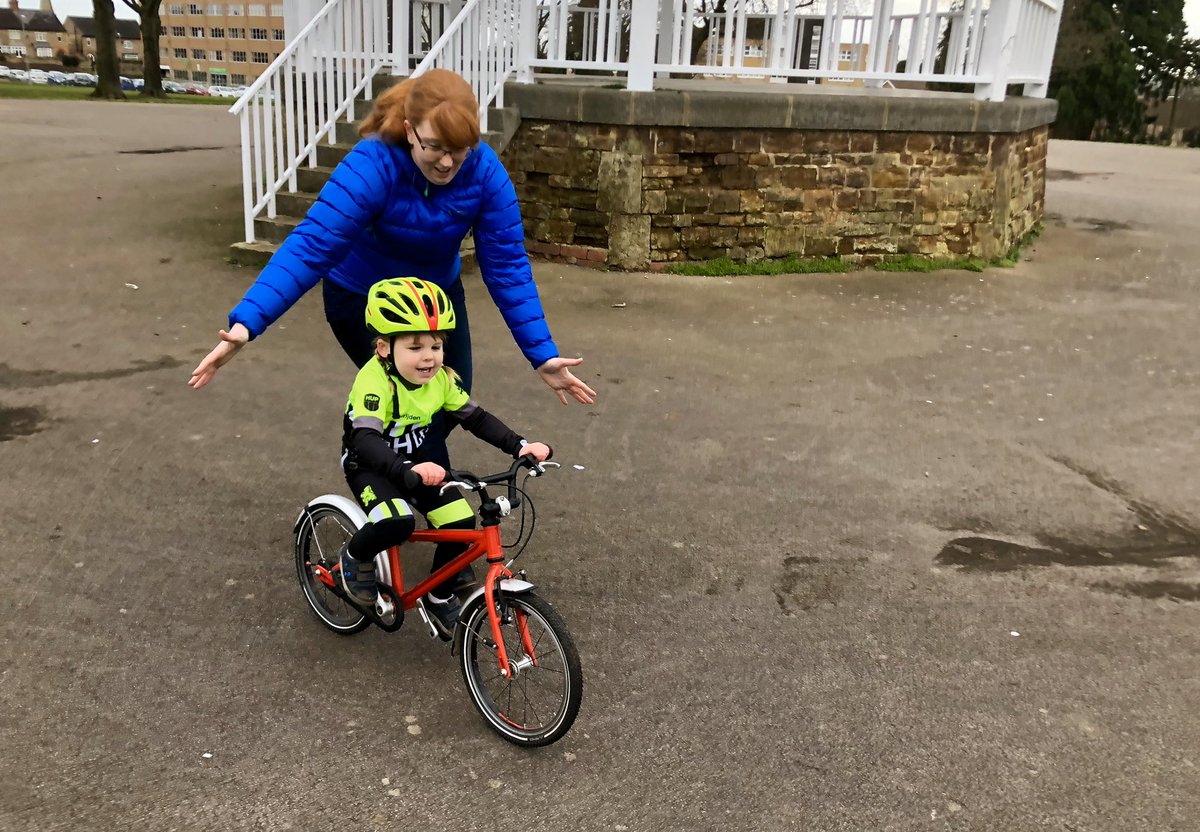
x,y
470,482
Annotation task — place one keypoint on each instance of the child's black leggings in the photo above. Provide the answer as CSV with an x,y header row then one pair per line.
x,y
389,509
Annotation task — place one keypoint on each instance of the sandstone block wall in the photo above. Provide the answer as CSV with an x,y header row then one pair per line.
x,y
637,196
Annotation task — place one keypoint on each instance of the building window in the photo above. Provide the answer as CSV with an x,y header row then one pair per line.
x,y
194,8
126,44
237,33
235,11
45,52
258,34
237,79
164,52
178,32
180,53
199,54
216,10
200,76
197,31
13,34
130,56
846,55
175,8
256,10
219,55
239,57
217,32
277,34
276,10
259,57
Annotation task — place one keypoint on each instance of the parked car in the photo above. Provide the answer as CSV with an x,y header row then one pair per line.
x,y
195,89
18,75
83,79
4,71
39,76
139,83
173,86
59,79
126,83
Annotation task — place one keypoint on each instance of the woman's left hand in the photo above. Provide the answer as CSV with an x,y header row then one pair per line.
x,y
556,373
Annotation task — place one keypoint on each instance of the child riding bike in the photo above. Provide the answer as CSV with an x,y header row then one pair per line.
x,y
393,400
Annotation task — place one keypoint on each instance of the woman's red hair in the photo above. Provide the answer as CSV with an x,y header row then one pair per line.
x,y
440,96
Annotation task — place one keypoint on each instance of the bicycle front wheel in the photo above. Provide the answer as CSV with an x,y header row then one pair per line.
x,y
539,704
318,542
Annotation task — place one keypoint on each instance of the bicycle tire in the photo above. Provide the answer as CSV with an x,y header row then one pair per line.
x,y
330,610
558,674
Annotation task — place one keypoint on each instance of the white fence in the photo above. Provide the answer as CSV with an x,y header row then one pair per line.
x,y
330,65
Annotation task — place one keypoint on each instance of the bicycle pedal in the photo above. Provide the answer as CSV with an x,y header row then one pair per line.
x,y
433,630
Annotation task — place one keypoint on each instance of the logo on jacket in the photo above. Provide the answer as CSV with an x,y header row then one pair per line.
x,y
371,402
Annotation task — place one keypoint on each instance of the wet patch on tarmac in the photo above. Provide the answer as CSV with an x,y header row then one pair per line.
x,y
177,149
1069,175
1154,590
1104,226
20,421
987,554
1160,539
809,582
12,378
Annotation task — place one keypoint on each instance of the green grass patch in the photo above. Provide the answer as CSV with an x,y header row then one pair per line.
x,y
15,89
912,263
723,266
794,264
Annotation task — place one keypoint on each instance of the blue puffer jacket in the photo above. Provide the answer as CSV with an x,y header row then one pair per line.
x,y
378,217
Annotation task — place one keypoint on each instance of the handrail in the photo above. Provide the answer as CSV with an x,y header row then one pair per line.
x,y
298,101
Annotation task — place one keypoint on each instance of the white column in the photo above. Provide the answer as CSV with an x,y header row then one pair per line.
x,y
999,38
667,27
401,11
526,41
641,45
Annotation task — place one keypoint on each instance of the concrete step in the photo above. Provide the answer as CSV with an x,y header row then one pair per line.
x,y
312,180
274,230
254,254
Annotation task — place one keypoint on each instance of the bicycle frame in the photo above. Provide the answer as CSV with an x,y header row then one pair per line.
x,y
482,542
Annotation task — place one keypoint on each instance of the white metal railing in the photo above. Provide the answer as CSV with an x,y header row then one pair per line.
x,y
481,46
985,43
298,100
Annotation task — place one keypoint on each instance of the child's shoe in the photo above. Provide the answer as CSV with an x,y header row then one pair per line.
x,y
444,612
357,577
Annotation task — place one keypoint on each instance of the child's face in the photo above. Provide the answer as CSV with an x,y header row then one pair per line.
x,y
418,357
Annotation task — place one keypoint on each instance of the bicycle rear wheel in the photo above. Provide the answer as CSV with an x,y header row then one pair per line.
x,y
318,542
539,704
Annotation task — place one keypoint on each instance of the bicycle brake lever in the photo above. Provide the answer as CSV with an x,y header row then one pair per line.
x,y
453,483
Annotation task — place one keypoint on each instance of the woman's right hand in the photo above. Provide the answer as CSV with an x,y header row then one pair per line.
x,y
230,343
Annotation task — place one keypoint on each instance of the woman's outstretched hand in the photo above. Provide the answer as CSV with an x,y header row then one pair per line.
x,y
556,373
230,343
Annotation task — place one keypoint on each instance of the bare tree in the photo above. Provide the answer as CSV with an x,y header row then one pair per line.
x,y
108,78
151,27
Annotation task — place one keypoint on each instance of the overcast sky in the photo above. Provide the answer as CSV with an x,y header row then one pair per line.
x,y
83,8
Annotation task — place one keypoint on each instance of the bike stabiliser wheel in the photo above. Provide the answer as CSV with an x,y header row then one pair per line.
x,y
538,705
318,542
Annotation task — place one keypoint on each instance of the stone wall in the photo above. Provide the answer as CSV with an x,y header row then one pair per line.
x,y
631,196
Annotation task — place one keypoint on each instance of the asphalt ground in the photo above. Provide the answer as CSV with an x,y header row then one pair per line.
x,y
844,552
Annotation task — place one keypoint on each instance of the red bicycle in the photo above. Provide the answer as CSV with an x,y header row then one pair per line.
x,y
518,660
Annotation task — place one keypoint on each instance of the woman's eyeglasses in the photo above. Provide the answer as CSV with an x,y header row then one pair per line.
x,y
439,151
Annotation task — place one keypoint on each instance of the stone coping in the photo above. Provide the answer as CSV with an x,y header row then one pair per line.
x,y
787,106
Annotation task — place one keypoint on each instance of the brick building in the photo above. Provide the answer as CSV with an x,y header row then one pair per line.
x,y
32,34
83,31
220,43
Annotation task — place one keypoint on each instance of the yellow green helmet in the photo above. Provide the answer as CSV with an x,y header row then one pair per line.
x,y
407,304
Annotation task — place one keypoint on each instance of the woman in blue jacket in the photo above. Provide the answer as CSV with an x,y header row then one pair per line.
x,y
400,205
